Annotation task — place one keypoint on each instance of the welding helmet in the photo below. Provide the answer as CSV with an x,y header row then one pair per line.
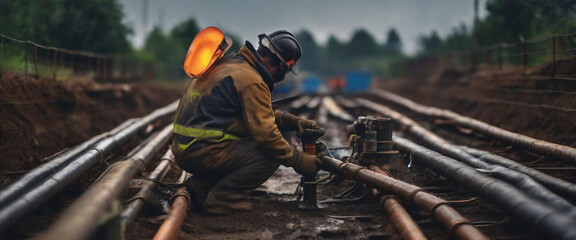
x,y
284,46
208,45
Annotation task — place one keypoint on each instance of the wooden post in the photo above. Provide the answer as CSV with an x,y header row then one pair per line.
x,y
523,57
36,60
55,63
25,60
553,56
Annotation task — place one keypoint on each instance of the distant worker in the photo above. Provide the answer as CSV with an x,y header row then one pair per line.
x,y
227,134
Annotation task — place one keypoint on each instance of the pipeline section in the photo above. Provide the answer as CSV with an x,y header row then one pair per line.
x,y
335,110
556,185
546,221
147,189
522,181
80,220
562,152
175,218
401,220
457,225
23,205
27,181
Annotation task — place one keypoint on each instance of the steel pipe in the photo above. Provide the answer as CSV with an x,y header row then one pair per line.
x,y
457,225
562,152
300,102
401,220
522,181
538,216
314,103
145,191
335,110
559,186
36,175
79,221
173,223
23,205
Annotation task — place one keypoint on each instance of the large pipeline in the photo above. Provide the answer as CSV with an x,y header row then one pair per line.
x,y
457,226
47,187
27,181
522,181
80,220
557,185
401,220
562,152
546,221
147,189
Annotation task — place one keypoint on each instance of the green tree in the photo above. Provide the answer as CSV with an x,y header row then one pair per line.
x,y
236,42
512,20
362,44
92,25
184,33
311,52
335,56
459,40
430,45
393,44
167,53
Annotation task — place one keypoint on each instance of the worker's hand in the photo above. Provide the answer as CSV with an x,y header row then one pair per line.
x,y
294,123
307,165
304,124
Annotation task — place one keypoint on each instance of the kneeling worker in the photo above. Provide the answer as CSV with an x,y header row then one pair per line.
x,y
227,134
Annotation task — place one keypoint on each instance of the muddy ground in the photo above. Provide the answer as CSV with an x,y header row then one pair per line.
x,y
41,117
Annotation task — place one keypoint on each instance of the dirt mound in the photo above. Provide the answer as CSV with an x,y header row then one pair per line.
x,y
529,103
41,117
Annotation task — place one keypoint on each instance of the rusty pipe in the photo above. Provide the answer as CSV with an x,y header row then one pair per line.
x,y
450,219
79,221
173,222
562,152
520,180
401,220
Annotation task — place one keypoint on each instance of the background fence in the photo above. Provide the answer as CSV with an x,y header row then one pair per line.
x,y
64,64
551,57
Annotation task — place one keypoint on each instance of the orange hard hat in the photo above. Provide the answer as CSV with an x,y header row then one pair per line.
x,y
209,45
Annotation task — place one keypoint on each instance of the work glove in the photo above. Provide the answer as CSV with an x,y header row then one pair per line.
x,y
305,123
291,122
307,164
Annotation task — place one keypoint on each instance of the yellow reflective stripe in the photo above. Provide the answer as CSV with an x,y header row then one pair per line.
x,y
194,95
201,132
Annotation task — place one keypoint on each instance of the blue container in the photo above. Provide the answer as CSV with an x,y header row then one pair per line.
x,y
358,81
310,85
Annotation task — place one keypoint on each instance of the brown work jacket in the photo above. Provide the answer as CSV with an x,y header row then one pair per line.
x,y
233,97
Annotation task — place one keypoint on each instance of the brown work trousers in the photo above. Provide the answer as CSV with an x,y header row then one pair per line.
x,y
230,170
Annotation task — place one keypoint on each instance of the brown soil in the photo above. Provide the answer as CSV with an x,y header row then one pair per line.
x,y
534,104
41,117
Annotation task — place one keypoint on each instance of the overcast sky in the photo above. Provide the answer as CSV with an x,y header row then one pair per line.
x,y
248,18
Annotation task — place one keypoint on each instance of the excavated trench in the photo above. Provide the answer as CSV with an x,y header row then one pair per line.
x,y
342,214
